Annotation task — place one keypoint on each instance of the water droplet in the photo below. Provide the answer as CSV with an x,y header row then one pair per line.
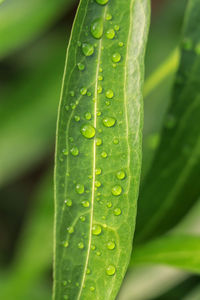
x,y
116,57
87,49
100,77
66,244
68,202
109,204
67,107
72,94
70,229
116,141
121,44
88,116
65,152
77,284
108,102
82,218
64,282
104,154
98,253
99,89
117,211
110,270
96,229
97,183
109,94
116,27
121,174
88,271
116,190
83,91
80,245
98,171
65,297
88,131
108,17
85,203
102,2
74,151
73,105
89,94
80,188
98,141
77,118
96,28
110,34
93,247
92,288
111,245
81,66
100,70
109,122
71,139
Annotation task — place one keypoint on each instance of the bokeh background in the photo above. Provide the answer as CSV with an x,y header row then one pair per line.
x,y
33,40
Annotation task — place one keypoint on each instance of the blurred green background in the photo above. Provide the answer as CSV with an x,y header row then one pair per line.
x,y
33,40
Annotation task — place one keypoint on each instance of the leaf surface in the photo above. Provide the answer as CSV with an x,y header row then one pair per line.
x,y
172,184
174,250
98,155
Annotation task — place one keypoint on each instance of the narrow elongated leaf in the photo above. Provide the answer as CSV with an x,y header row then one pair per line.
x,y
98,157
22,20
172,185
178,251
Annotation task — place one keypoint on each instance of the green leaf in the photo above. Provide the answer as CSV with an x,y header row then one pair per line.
x,y
177,251
172,184
22,20
98,155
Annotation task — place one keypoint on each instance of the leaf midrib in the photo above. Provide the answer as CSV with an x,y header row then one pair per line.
x,y
94,162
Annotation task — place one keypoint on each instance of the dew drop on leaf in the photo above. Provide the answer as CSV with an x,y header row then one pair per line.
x,y
88,131
116,27
102,2
121,174
81,66
99,89
88,271
85,203
109,94
92,288
110,270
110,34
96,229
109,204
111,245
116,57
96,28
104,154
82,218
121,44
87,49
70,229
109,122
83,91
66,244
98,141
116,190
80,188
68,202
77,118
98,171
97,183
108,17
80,245
117,211
88,116
74,151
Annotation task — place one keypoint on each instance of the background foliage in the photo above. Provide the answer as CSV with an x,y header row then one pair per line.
x,y
34,38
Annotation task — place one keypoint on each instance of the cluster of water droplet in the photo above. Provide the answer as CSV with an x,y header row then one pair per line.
x,y
88,130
